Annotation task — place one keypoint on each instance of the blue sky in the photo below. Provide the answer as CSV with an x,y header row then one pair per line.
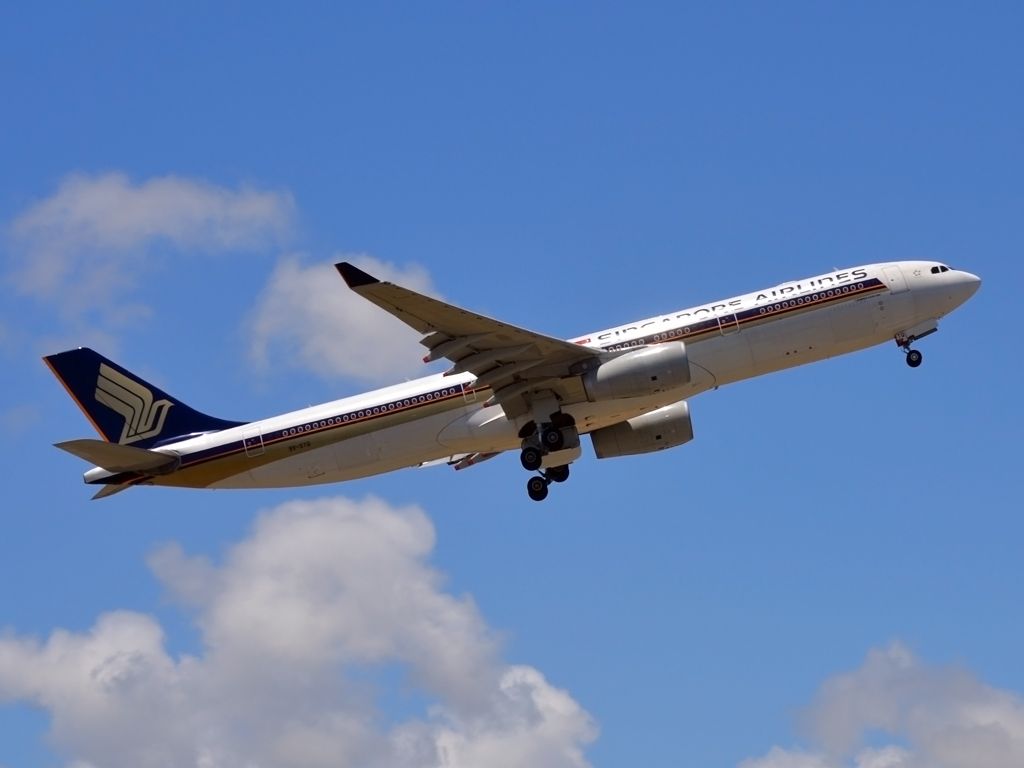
x,y
829,575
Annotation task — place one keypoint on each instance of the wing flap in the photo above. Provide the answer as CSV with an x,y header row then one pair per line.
x,y
472,459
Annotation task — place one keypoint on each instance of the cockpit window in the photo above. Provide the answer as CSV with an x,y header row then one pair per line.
x,y
940,268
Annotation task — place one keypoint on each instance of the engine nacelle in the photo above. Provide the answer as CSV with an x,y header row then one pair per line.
x,y
664,428
642,372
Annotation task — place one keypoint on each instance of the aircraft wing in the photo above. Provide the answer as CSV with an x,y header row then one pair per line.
x,y
511,361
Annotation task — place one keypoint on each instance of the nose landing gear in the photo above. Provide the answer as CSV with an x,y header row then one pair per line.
x,y
914,357
905,338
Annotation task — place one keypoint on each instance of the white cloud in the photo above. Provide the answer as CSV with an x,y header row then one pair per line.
x,y
86,247
311,319
887,757
938,717
781,758
294,623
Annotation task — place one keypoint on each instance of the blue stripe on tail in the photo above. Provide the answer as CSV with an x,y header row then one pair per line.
x,y
124,408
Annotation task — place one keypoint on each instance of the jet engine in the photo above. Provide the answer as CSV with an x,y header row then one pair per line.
x,y
664,428
643,372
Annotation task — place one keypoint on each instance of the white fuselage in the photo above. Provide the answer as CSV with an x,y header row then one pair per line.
x,y
439,416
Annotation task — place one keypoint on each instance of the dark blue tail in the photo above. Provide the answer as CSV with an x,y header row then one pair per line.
x,y
124,408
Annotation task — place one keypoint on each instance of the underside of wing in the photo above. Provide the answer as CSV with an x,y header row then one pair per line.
x,y
513,362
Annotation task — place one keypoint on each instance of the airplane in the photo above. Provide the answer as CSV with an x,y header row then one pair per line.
x,y
508,388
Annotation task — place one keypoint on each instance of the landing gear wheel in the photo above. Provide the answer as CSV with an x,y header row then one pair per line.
x,y
537,487
914,358
558,474
552,439
531,458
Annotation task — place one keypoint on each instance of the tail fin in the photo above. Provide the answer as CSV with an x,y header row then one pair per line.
x,y
124,408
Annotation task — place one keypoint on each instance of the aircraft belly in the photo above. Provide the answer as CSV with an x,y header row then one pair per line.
x,y
328,455
313,466
362,457
371,454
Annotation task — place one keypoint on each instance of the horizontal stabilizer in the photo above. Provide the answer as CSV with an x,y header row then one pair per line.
x,y
110,490
119,458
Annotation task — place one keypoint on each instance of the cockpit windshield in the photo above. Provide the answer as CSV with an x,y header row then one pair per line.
x,y
940,268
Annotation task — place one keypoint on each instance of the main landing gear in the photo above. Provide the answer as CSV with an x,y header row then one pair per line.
x,y
548,449
537,486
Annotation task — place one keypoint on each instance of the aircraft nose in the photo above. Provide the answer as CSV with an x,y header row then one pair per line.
x,y
966,285
971,283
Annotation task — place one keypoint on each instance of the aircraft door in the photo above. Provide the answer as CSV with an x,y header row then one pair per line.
x,y
728,324
895,279
252,439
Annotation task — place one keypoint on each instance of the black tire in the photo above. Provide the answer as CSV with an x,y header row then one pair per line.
x,y
531,458
552,439
537,488
914,358
558,474
561,420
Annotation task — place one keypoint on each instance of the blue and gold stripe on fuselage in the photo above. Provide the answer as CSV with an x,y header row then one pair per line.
x,y
718,324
